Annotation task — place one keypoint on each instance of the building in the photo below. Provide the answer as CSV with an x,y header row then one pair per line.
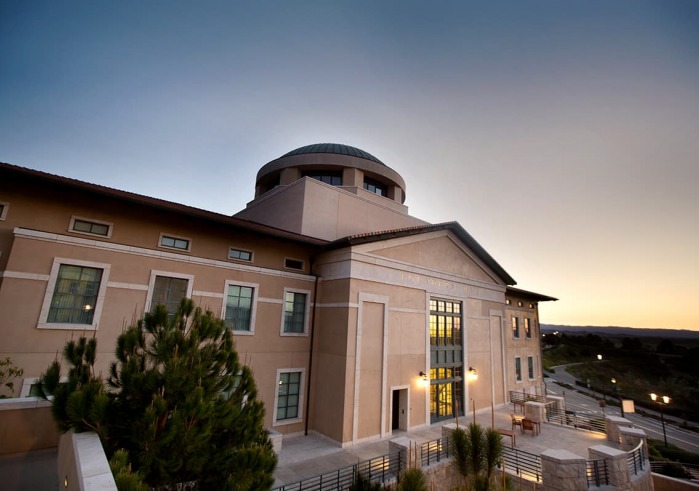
x,y
357,318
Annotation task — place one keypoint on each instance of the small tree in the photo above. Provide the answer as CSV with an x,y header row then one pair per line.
x,y
476,454
8,371
177,401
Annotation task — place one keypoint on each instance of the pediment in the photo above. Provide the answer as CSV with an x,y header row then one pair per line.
x,y
441,253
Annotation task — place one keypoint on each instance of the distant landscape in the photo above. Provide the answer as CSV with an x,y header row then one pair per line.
x,y
634,362
615,331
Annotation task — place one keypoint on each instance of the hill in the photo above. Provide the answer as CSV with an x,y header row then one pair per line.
x,y
615,331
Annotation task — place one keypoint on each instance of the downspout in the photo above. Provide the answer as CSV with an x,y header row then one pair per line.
x,y
310,353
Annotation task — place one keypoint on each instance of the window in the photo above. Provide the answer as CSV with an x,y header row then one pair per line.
x,y
294,312
518,369
527,328
238,308
168,289
289,400
508,301
239,254
74,295
515,327
446,355
530,367
90,227
374,187
332,178
293,264
3,209
519,304
174,242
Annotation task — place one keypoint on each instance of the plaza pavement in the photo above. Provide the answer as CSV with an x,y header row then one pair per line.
x,y
302,457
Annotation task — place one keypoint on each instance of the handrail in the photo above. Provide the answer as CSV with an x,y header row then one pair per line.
x,y
379,469
679,470
580,421
597,472
524,464
435,451
636,459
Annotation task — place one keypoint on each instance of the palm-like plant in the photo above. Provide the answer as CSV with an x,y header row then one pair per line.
x,y
476,454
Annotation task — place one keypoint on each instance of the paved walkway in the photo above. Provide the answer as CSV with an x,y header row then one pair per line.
x,y
307,456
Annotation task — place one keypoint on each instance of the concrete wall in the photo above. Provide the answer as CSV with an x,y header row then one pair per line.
x,y
26,425
82,464
667,483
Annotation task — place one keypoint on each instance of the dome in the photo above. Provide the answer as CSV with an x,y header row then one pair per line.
x,y
336,148
350,168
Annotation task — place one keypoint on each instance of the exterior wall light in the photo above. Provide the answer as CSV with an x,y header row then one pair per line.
x,y
423,379
472,374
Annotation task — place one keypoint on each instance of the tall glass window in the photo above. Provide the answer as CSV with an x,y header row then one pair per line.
x,y
295,312
169,292
288,395
238,307
528,327
518,369
75,295
515,327
446,359
530,366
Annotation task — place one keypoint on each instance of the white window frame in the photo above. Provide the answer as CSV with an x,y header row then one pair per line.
x,y
173,236
306,315
151,284
253,308
519,379
531,374
302,394
51,287
234,248
5,207
91,220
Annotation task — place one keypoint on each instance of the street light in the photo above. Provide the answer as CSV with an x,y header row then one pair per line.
x,y
599,357
662,401
616,391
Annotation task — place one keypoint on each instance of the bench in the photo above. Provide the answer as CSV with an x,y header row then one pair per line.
x,y
511,434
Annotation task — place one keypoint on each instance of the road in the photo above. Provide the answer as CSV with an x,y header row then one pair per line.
x,y
575,401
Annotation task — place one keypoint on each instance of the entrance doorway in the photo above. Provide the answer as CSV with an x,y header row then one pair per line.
x,y
399,409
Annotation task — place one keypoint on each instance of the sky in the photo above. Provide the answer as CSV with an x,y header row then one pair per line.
x,y
563,136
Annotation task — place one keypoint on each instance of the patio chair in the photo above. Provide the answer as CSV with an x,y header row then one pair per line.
x,y
515,421
528,424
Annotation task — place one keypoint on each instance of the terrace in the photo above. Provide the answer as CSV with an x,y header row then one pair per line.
x,y
303,457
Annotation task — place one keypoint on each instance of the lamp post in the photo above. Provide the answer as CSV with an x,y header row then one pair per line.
x,y
662,401
616,391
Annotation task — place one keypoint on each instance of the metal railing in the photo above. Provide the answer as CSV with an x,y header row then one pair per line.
x,y
435,451
676,469
580,421
378,470
524,464
520,398
636,459
597,472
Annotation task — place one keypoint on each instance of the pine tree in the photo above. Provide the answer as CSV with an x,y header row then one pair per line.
x,y
178,401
